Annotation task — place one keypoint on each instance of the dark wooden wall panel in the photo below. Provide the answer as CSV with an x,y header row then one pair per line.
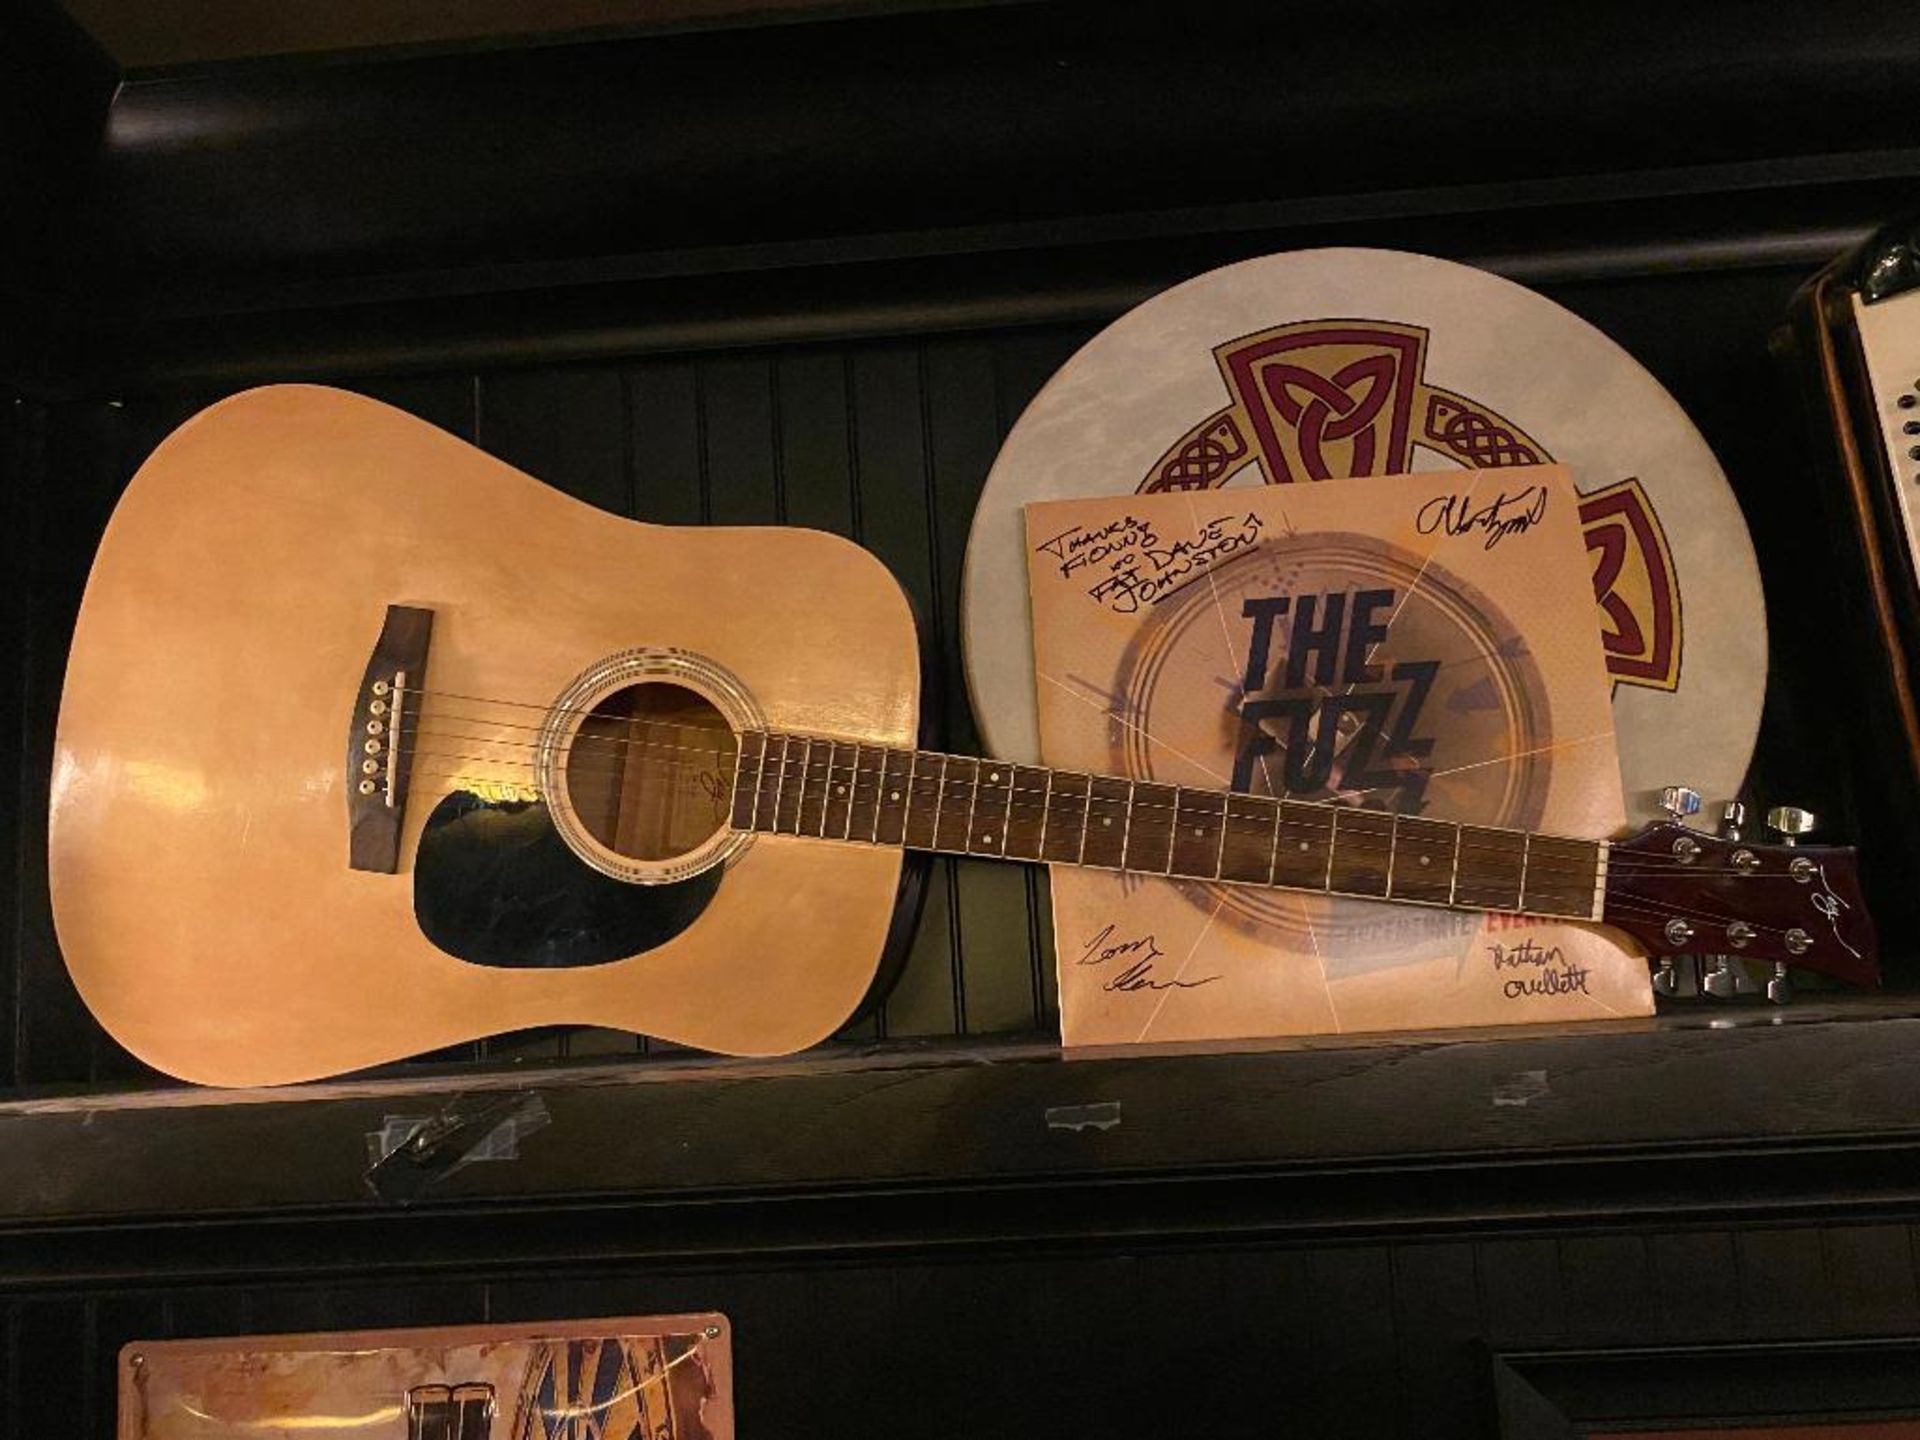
x,y
665,443
1869,1278
17,439
1697,1279
1336,1339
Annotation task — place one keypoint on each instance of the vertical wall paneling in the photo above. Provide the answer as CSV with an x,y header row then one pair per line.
x,y
815,462
566,427
663,443
1000,976
1604,1280
1324,1338
18,424
891,480
1783,1282
443,400
1351,1292
53,1354
1870,1278
198,1311
1696,1278
9,1371
737,426
82,474
1437,1316
1520,1287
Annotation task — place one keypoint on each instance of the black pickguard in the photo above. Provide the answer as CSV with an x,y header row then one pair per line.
x,y
494,884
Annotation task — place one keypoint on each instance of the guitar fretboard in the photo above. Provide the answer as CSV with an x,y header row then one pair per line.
x,y
956,804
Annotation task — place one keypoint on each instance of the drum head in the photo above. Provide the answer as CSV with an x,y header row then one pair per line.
x,y
1327,363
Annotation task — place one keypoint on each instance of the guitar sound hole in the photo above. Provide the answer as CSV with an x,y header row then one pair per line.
x,y
649,772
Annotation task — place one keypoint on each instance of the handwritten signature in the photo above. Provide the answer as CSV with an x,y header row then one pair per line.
x,y
1137,974
1152,573
1830,905
1504,515
1551,973
1080,547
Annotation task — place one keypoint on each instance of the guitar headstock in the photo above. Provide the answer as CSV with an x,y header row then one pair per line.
x,y
1681,891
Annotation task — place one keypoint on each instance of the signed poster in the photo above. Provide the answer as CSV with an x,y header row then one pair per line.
x,y
1423,645
665,1377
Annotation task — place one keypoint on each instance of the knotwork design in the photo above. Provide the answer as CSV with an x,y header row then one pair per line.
x,y
1202,458
1330,409
1325,399
1475,436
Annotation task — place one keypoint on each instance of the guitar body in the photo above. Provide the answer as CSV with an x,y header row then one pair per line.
x,y
212,903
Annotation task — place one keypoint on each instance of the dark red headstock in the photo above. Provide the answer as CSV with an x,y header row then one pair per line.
x,y
1680,891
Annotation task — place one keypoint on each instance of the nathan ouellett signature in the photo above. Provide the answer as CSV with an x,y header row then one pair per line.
x,y
1546,970
1500,517
1138,954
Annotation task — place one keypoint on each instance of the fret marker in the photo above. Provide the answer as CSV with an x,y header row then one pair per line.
x,y
893,795
1304,847
1106,820
839,789
1197,831
1426,859
986,839
994,778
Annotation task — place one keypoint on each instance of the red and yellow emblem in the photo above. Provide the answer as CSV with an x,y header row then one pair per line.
x,y
1321,399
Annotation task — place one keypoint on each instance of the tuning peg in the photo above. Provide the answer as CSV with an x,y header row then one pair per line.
x,y
1680,802
1666,979
1733,820
1789,822
1779,988
1721,982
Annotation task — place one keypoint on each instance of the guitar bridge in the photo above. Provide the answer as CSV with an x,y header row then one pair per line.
x,y
377,758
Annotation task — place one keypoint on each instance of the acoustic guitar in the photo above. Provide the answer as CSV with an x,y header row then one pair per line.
x,y
371,744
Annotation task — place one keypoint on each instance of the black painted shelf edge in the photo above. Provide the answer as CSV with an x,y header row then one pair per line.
x,y
1819,1110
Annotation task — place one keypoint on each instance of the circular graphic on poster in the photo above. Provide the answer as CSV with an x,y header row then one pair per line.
x,y
1322,364
1387,684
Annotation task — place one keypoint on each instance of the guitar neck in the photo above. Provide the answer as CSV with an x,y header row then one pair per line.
x,y
958,805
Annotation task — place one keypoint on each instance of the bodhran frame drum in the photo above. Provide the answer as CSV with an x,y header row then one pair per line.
x,y
1319,364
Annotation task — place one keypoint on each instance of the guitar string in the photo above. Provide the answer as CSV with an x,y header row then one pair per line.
x,y
1586,873
1620,862
1615,904
630,722
1626,864
828,775
852,770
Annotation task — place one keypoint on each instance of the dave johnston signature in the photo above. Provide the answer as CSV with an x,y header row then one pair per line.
x,y
1138,956
1504,515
